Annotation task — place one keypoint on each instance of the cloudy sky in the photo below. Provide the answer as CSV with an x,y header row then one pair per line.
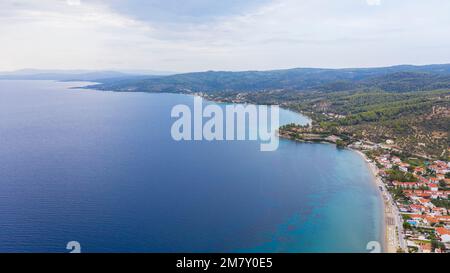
x,y
196,35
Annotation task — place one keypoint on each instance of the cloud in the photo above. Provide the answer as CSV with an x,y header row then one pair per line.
x,y
373,2
73,2
175,11
265,35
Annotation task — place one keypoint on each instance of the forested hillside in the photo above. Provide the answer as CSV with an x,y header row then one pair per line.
x,y
407,104
391,79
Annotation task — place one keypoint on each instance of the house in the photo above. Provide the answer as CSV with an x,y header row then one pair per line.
x,y
443,219
424,194
440,167
383,173
440,194
435,195
428,192
444,234
440,176
423,179
416,217
405,185
434,187
430,220
403,167
441,164
447,181
434,180
419,170
417,208
426,203
433,167
439,211
396,160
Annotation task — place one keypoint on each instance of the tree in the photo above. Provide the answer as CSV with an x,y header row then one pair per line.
x,y
396,175
407,225
406,217
435,244
340,143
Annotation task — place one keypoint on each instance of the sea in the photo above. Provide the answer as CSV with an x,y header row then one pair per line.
x,y
102,169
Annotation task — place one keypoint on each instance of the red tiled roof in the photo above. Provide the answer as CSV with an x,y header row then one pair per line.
x,y
442,231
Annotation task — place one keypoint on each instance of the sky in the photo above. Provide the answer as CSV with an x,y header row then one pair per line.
x,y
199,35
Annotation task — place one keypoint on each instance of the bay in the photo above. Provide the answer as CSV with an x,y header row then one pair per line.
x,y
102,169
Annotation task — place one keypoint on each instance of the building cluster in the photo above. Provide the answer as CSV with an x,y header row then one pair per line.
x,y
422,202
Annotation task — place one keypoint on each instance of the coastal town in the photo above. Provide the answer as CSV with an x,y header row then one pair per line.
x,y
416,196
415,190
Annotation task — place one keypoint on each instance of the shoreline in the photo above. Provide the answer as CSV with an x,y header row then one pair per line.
x,y
390,226
387,244
206,98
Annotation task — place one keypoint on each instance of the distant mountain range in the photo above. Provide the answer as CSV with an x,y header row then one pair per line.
x,y
75,75
401,78
408,104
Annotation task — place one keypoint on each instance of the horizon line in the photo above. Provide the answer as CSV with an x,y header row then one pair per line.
x,y
136,71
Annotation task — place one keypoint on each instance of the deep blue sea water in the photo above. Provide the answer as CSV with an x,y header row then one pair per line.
x,y
102,169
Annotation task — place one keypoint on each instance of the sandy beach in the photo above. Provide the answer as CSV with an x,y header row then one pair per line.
x,y
392,224
391,220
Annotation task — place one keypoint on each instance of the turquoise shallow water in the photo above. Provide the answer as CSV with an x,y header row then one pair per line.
x,y
101,168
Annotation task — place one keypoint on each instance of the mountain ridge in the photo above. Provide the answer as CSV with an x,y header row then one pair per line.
x,y
403,77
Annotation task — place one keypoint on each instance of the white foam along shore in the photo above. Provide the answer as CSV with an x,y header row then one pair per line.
x,y
391,216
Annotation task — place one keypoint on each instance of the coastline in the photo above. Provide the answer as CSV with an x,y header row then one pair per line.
x,y
388,244
390,225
